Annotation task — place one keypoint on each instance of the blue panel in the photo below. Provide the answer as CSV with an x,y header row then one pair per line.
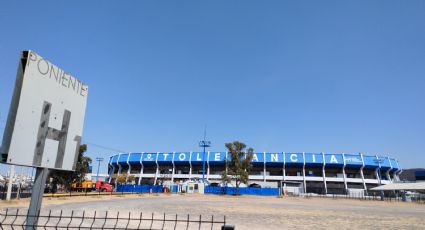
x,y
334,160
182,158
216,158
114,159
122,160
274,159
370,162
353,161
149,158
313,159
420,173
395,165
385,163
242,191
139,188
257,159
294,158
198,158
135,158
165,158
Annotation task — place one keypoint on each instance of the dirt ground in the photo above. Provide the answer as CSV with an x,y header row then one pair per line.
x,y
254,212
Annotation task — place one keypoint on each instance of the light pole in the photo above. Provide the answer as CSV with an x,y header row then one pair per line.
x,y
204,144
98,159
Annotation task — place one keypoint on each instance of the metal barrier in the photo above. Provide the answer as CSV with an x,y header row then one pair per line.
x,y
140,188
419,199
16,219
242,191
16,193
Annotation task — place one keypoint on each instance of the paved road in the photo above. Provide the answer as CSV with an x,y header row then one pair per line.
x,y
253,212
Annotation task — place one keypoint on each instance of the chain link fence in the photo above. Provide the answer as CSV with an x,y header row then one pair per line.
x,y
60,219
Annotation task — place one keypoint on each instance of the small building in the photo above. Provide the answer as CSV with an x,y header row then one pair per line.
x,y
195,187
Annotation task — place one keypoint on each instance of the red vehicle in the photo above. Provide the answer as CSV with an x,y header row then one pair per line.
x,y
103,186
89,185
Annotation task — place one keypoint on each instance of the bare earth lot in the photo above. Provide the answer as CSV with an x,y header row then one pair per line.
x,y
254,212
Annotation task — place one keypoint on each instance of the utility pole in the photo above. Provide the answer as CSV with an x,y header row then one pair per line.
x,y
20,183
204,144
10,183
98,159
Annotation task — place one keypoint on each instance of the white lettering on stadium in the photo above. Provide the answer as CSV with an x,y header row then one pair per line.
x,y
294,157
274,157
333,159
182,156
353,160
165,156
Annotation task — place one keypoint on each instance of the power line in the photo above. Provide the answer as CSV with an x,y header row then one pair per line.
x,y
105,147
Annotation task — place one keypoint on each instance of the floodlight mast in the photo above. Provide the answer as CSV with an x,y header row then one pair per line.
x,y
98,159
204,144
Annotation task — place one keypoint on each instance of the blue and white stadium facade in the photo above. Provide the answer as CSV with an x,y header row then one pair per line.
x,y
314,172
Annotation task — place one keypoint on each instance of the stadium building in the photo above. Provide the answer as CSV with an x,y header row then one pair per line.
x,y
310,172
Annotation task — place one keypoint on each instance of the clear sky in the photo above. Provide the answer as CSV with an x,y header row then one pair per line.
x,y
292,76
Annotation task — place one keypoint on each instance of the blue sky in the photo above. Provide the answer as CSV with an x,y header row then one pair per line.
x,y
292,76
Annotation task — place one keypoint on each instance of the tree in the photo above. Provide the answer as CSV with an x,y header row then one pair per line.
x,y
130,179
121,178
68,177
239,165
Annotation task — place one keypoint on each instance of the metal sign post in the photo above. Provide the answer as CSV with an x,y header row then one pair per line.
x,y
36,198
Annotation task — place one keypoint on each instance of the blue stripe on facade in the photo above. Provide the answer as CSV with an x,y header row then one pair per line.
x,y
135,158
353,160
216,158
181,158
313,159
385,163
122,159
114,159
394,164
334,160
164,158
258,159
197,158
371,162
149,158
294,159
274,159
270,159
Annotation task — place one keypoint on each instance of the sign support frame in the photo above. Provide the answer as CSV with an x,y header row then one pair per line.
x,y
36,198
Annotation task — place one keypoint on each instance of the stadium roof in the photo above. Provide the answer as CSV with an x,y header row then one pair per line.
x,y
401,186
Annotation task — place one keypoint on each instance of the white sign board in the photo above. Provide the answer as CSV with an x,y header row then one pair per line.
x,y
46,116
